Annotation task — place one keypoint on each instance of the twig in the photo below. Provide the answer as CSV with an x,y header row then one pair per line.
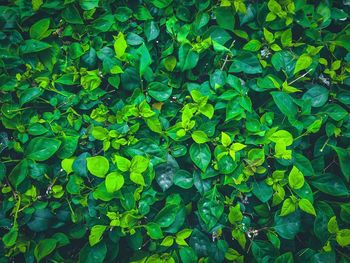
x,y
227,56
12,190
307,72
49,188
250,245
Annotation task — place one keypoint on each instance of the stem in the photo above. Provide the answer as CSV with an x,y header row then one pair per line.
x,y
227,56
302,135
307,72
18,204
324,145
250,245
10,161
70,207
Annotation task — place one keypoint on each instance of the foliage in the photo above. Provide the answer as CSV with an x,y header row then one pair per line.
x,y
174,131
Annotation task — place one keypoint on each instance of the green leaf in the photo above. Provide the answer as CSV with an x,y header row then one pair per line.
x,y
188,58
68,146
303,164
39,29
200,155
200,137
234,110
161,3
317,96
137,178
268,36
37,129
283,60
288,226
282,136
33,46
225,18
344,161
97,165
114,181
88,4
296,178
330,184
145,58
225,139
142,13
154,231
235,215
307,206
123,13
151,30
284,103
29,95
99,133
170,63
95,254
245,62
183,179
226,164
343,237
332,225
184,233
19,173
36,4
166,216
168,241
286,38
285,258
42,148
303,62
71,15
120,45
139,164
67,165
10,237
123,164
159,91
154,124
335,111
288,207
211,207
96,234
188,255
207,110
262,191
44,248
252,45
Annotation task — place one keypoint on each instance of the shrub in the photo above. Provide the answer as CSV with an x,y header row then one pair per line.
x,y
174,131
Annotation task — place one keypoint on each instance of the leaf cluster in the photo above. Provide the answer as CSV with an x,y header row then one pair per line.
x,y
174,131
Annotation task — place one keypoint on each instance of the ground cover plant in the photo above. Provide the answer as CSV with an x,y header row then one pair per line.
x,y
174,131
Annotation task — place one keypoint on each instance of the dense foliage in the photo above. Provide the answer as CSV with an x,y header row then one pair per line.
x,y
174,131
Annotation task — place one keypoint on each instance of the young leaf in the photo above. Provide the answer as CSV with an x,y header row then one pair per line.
x,y
123,164
114,181
96,234
307,206
200,137
296,178
120,45
303,62
97,165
